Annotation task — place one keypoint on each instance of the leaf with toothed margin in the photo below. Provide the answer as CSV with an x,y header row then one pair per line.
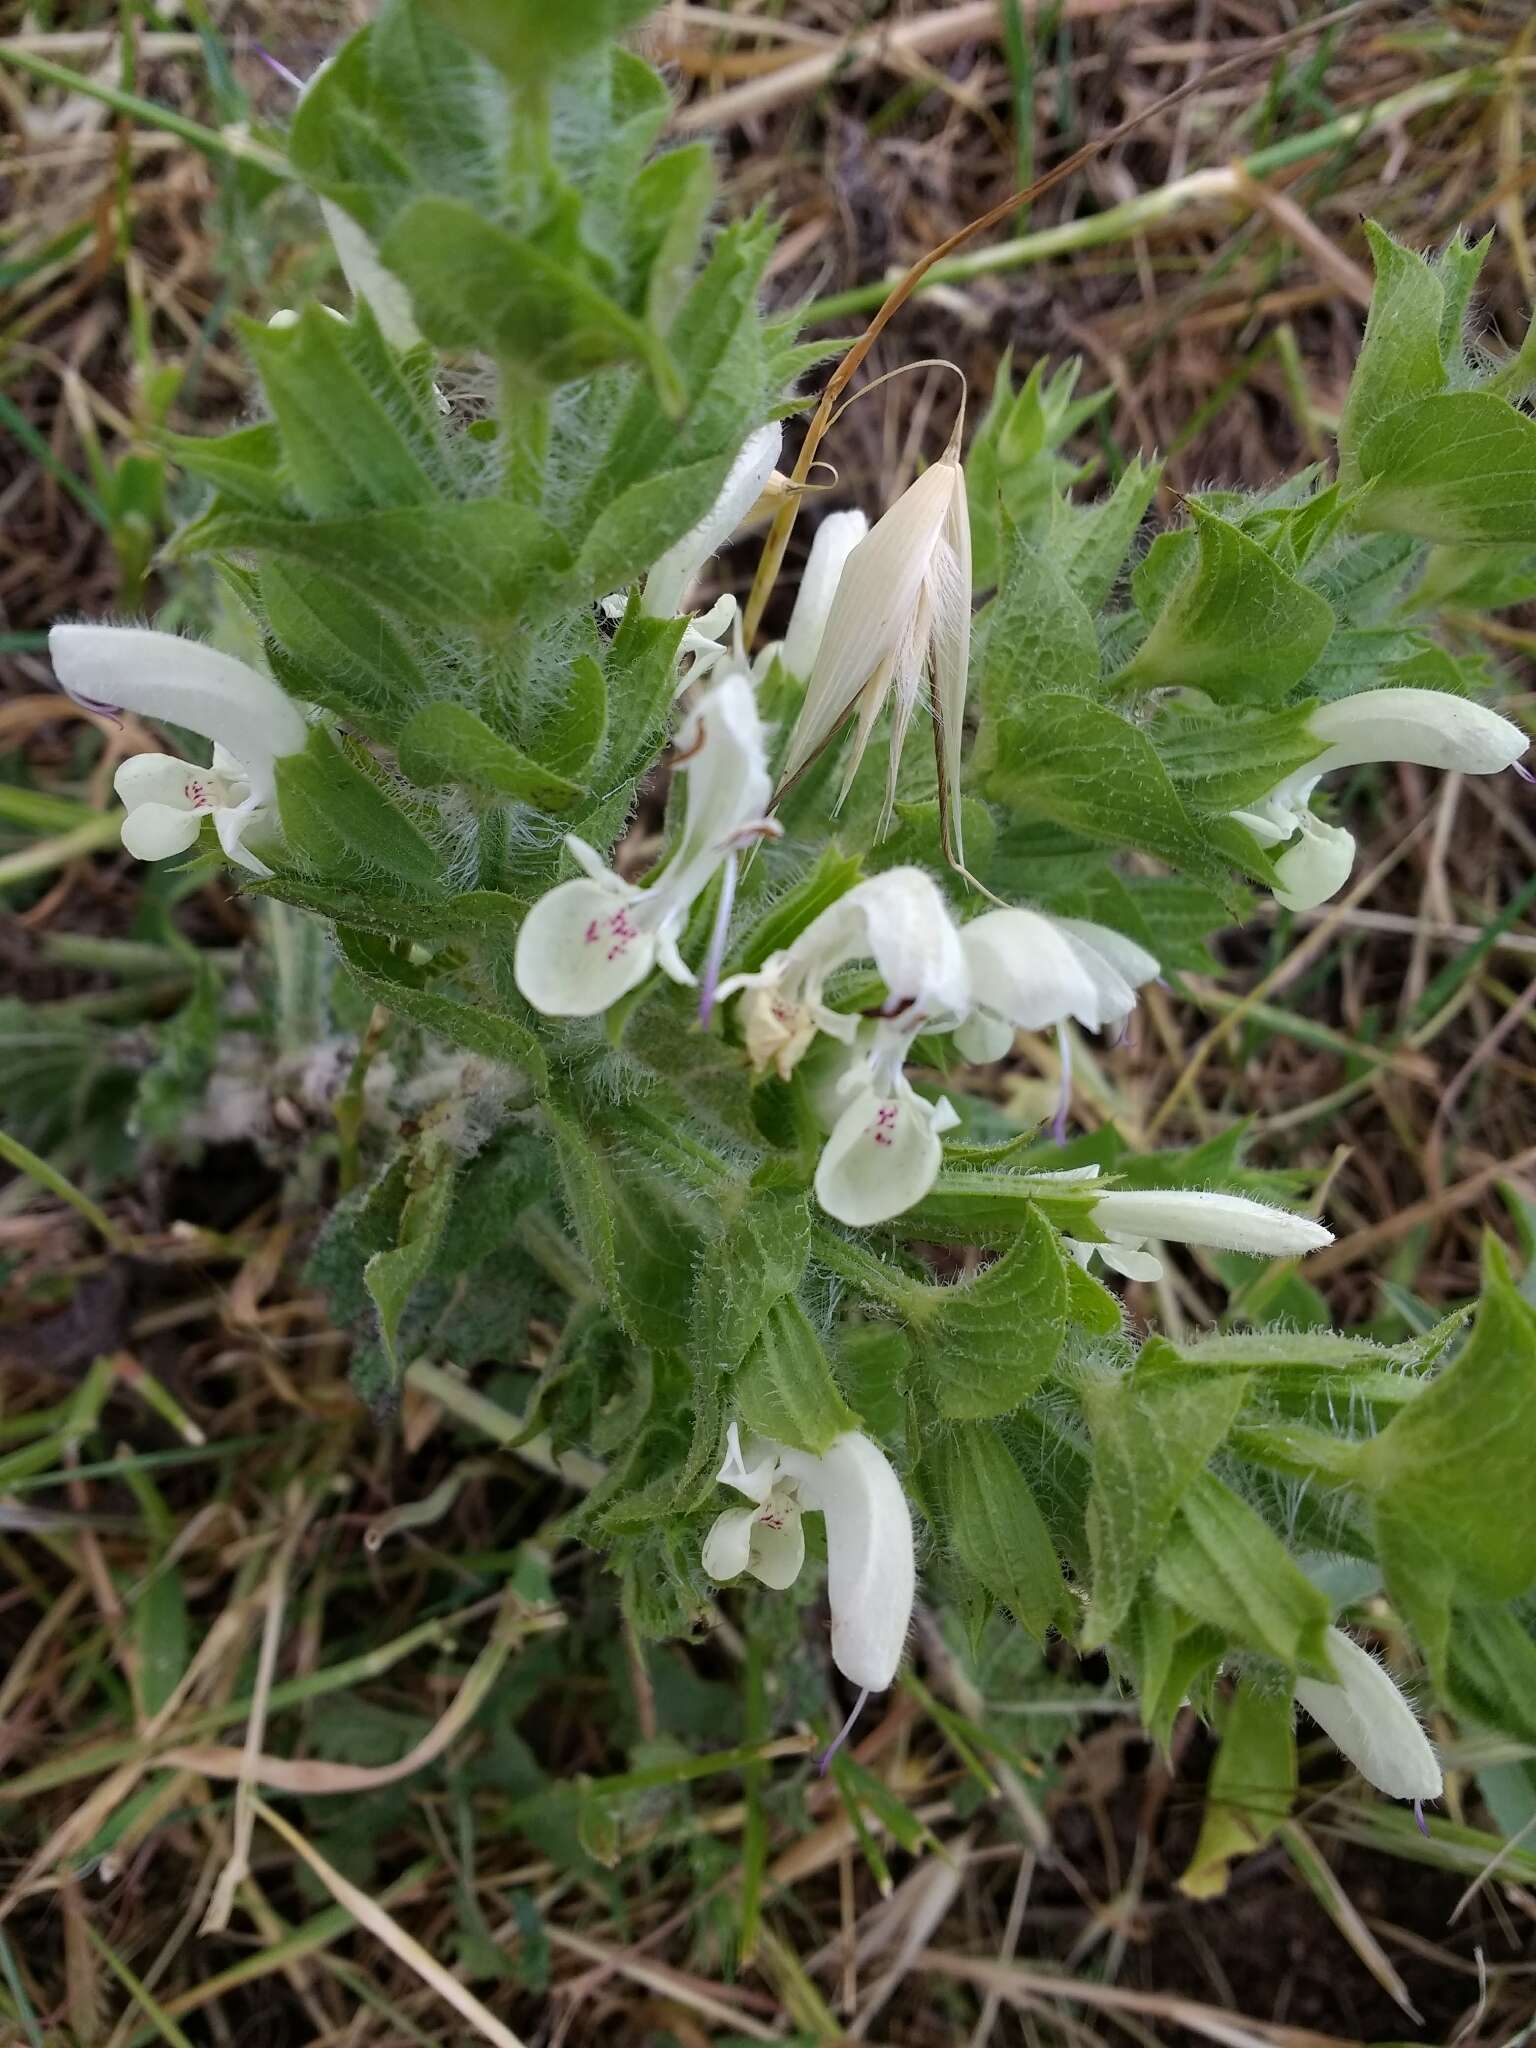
x,y
1085,767
990,1519
480,563
757,1261
1152,1434
450,743
637,1242
474,1026
987,1342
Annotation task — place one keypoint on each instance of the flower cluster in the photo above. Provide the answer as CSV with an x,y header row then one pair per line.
x,y
838,1012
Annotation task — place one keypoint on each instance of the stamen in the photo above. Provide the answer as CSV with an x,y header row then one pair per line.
x,y
1419,1820
275,64
824,1761
710,979
735,1465
754,830
682,754
92,704
1064,1096
1522,771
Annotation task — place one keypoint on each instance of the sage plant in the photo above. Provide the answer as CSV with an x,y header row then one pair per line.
x,y
670,1003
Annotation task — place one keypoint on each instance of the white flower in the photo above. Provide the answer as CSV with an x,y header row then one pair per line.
x,y
836,538
900,921
902,608
871,1577
251,722
668,582
589,941
1371,1722
1029,972
1428,727
884,1150
1131,1217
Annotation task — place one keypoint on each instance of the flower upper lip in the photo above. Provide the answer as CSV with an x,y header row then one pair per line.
x,y
667,584
160,675
1130,1218
1372,1723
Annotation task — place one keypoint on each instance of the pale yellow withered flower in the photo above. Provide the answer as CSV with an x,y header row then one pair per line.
x,y
902,613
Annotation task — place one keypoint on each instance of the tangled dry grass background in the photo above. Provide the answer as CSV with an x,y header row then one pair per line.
x,y
1032,1896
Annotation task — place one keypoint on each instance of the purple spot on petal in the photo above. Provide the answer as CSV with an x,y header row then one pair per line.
x,y
824,1761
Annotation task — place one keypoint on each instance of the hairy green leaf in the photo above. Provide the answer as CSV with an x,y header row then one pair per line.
x,y
1452,1468
1035,637
1457,467
449,743
992,1522
337,816
1403,355
392,1277
1236,625
1224,1566
757,1260
987,1342
785,1389
1152,1434
458,566
344,412
1088,768
475,285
